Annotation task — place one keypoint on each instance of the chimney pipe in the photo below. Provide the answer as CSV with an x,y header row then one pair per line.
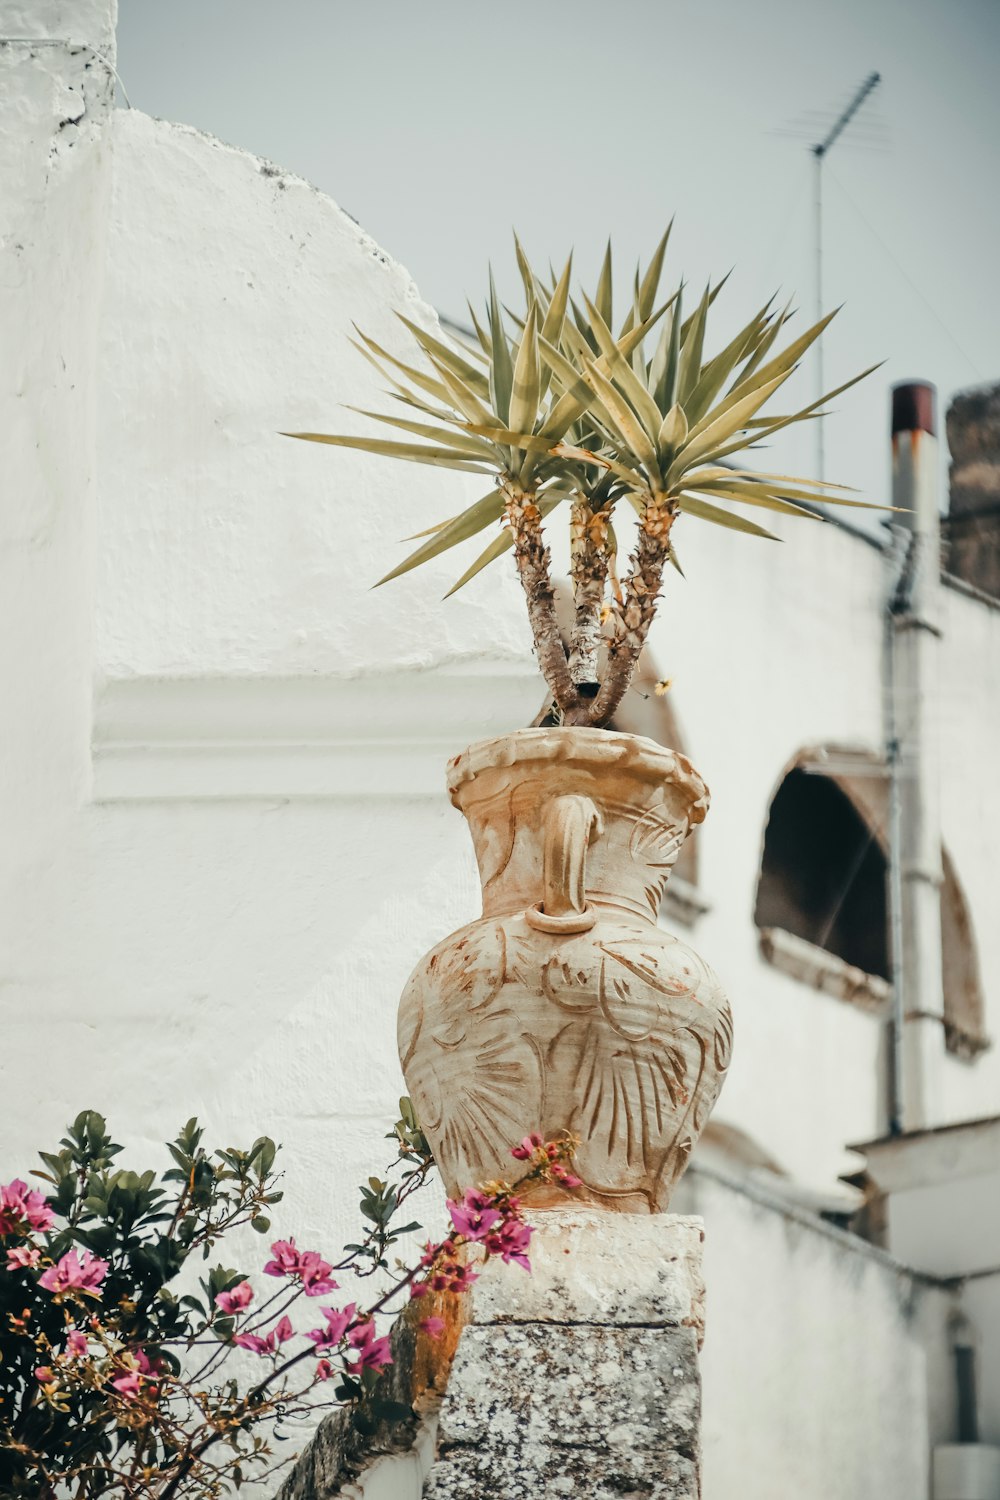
x,y
912,753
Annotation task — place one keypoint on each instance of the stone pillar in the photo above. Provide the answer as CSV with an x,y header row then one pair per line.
x,y
582,1378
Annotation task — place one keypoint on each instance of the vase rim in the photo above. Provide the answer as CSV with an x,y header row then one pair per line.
x,y
595,749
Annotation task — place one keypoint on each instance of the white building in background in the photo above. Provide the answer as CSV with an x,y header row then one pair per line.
x,y
226,840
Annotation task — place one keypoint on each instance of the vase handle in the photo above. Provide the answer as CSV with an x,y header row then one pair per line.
x,y
571,824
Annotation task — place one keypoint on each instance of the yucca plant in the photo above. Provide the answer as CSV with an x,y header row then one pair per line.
x,y
555,407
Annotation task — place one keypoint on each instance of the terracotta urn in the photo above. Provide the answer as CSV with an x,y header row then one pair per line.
x,y
565,1006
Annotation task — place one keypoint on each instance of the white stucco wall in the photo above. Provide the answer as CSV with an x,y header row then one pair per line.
x,y
226,843
836,1360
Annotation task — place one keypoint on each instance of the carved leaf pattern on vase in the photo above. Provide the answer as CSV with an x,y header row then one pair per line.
x,y
623,1038
617,1031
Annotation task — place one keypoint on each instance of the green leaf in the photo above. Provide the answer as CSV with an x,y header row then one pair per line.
x,y
448,438
440,353
783,363
374,353
501,368
663,371
748,494
414,452
780,422
673,429
708,435
691,505
718,370
552,324
527,377
625,421
500,545
692,347
482,513
624,376
528,278
602,296
646,296
465,399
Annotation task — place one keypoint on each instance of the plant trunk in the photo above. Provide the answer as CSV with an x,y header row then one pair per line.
x,y
631,617
534,567
589,569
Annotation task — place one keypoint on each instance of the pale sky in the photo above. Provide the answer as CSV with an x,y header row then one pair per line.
x,y
442,126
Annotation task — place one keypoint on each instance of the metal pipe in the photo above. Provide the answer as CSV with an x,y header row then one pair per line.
x,y
911,753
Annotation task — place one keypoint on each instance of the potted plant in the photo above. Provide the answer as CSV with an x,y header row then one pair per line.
x,y
565,1005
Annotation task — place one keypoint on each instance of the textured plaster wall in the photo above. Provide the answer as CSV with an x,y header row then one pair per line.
x,y
836,1361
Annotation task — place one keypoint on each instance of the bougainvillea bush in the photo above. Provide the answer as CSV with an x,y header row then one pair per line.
x,y
118,1337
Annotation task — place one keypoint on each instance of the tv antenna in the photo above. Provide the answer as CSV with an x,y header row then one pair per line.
x,y
820,152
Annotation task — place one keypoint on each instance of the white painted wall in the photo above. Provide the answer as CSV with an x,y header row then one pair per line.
x,y
826,1367
224,849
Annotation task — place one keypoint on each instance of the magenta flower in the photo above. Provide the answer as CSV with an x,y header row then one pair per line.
x,y
77,1273
338,1320
511,1242
307,1265
526,1150
286,1259
44,1373
280,1334
433,1327
236,1299
22,1257
372,1353
128,1384
567,1178
473,1217
324,1369
18,1206
315,1275
76,1344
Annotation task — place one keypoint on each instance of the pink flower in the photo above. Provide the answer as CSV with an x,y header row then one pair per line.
x,y
280,1334
44,1373
79,1273
433,1327
307,1265
373,1353
236,1299
22,1257
19,1206
315,1275
338,1320
128,1384
529,1145
76,1344
324,1369
511,1242
567,1178
474,1216
286,1259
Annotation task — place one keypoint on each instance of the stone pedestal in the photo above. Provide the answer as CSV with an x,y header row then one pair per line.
x,y
582,1378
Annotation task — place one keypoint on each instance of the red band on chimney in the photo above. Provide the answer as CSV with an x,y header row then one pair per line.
x,y
913,407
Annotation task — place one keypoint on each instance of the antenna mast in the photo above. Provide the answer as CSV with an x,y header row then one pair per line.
x,y
820,152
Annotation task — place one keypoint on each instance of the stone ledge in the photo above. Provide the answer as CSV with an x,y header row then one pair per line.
x,y
600,1268
547,1411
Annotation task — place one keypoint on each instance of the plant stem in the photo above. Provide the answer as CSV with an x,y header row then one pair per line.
x,y
589,570
633,615
533,565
